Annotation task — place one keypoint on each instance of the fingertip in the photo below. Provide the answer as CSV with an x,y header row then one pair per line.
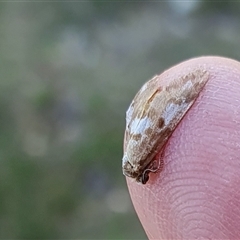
x,y
189,197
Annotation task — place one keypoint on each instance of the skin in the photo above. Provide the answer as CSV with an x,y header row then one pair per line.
x,y
197,194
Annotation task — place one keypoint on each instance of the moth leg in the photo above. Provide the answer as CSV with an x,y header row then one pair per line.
x,y
154,166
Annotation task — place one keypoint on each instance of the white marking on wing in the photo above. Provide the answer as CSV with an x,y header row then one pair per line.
x,y
138,126
129,114
171,111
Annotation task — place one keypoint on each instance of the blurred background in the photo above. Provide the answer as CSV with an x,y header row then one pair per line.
x,y
69,70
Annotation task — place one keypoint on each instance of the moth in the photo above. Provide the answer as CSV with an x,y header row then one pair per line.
x,y
153,115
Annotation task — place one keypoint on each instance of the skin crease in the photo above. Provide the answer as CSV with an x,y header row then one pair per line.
x,y
197,194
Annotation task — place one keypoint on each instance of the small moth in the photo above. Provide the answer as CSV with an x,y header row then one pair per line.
x,y
152,117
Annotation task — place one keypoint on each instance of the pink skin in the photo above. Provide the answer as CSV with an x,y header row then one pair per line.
x,y
197,194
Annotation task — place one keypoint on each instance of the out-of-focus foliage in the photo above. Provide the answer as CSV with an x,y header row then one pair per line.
x,y
68,73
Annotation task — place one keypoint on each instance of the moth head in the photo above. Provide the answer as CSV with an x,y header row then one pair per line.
x,y
128,168
130,171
